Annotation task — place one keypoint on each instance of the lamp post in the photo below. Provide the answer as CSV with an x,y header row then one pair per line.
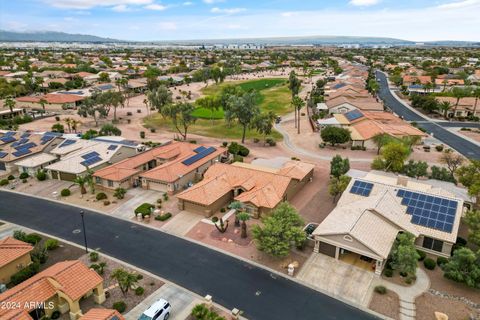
x,y
82,213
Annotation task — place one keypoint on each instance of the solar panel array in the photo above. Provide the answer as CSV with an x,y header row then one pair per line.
x,y
112,147
26,146
429,211
19,142
67,143
90,158
198,156
199,149
3,154
361,188
90,155
7,139
46,138
25,135
21,152
353,115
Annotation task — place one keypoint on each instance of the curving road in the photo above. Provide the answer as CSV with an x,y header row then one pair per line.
x,y
465,147
232,282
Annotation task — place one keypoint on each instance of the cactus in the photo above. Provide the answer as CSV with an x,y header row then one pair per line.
x,y
221,225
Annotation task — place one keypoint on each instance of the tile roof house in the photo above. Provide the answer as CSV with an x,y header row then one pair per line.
x,y
14,256
260,189
180,164
59,287
468,106
54,101
375,208
102,314
342,104
21,146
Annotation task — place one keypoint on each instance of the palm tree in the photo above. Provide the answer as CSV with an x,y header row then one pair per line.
x,y
476,94
459,93
445,106
125,279
243,217
237,206
10,103
81,181
68,121
42,103
75,124
298,103
145,102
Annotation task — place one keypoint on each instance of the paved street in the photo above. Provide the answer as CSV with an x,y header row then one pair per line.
x,y
468,149
231,282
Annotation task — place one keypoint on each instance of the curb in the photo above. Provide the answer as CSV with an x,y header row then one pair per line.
x,y
256,264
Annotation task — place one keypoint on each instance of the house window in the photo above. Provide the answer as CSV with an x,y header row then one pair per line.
x,y
432,244
98,180
110,183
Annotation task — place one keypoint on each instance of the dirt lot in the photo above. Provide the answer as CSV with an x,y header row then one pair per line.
x,y
427,304
387,304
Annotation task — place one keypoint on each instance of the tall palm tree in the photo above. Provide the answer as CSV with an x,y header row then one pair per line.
x,y
42,102
444,106
243,217
10,103
81,181
68,122
238,206
476,94
298,103
459,93
75,124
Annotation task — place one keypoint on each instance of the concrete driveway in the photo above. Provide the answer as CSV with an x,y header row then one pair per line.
x,y
139,196
181,223
181,300
337,278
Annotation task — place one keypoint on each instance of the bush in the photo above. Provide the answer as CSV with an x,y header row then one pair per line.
x,y
441,261
11,177
380,289
422,255
106,203
94,256
153,130
139,291
163,217
388,273
144,209
119,193
25,273
223,210
101,196
65,192
55,315
24,175
51,244
120,306
439,148
139,276
165,197
237,158
237,149
142,134
256,140
3,182
429,263
24,181
32,238
271,142
41,175
224,144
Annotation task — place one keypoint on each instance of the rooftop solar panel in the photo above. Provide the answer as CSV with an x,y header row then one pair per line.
x,y
112,147
429,211
67,143
3,154
361,188
353,115
10,133
7,139
19,142
90,155
26,146
88,162
198,156
199,149
46,138
21,152
25,135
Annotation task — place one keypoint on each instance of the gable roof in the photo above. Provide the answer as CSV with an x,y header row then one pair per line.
x,y
102,314
11,249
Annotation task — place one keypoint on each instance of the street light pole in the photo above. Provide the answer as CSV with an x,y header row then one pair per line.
x,y
82,213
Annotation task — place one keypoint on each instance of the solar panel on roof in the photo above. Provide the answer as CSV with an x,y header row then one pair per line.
x,y
90,155
3,154
67,143
88,162
46,138
361,188
10,133
21,152
112,147
19,142
429,211
353,115
25,135
7,139
199,149
198,156
26,146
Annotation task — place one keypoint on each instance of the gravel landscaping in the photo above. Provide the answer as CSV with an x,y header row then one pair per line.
x,y
387,304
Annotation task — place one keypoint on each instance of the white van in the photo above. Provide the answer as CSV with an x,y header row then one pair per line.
x,y
160,310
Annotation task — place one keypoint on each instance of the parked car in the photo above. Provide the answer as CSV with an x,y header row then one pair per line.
x,y
160,310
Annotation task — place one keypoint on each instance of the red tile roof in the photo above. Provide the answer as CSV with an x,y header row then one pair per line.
x,y
101,314
52,98
11,249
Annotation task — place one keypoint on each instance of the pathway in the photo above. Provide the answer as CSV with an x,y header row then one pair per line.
x,y
406,294
181,223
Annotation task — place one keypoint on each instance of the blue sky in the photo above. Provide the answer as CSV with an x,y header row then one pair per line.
x,y
418,20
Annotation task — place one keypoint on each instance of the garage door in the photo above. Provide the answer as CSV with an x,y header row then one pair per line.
x,y
152,185
3,167
67,176
327,249
54,175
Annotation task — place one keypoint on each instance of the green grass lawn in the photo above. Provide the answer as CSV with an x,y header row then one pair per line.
x,y
204,127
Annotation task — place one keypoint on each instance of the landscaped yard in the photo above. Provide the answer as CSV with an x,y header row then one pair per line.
x,y
387,304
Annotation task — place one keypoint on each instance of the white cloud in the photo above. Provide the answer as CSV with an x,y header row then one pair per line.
x,y
167,26
87,4
459,4
364,3
187,3
212,1
288,14
121,8
157,7
227,10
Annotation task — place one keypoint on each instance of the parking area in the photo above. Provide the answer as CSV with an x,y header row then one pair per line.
x,y
181,300
337,278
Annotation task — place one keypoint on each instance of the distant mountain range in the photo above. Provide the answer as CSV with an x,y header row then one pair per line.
x,y
53,36
50,36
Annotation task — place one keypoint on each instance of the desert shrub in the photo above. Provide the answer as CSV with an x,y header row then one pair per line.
x,y
139,276
144,209
120,306
163,217
429,263
65,192
422,255
106,203
94,256
441,261
256,140
224,144
439,148
3,182
24,175
11,177
119,193
222,210
237,158
380,289
25,273
139,291
51,244
388,273
271,142
24,181
101,196
41,175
